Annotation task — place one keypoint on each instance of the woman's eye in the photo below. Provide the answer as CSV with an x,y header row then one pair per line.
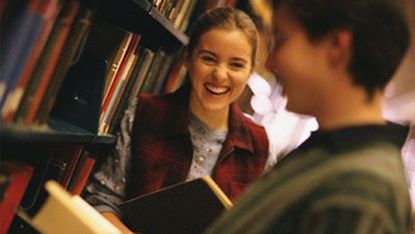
x,y
237,65
208,59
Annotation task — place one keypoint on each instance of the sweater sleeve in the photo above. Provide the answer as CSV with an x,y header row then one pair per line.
x,y
107,186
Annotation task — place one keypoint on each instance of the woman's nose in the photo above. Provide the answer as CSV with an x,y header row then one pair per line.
x,y
220,73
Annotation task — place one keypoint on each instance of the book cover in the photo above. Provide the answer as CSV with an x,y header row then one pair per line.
x,y
187,207
66,214
18,176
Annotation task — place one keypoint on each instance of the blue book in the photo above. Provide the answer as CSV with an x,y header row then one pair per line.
x,y
17,45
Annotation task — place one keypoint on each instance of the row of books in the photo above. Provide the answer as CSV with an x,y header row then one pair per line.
x,y
177,11
40,41
132,69
70,166
34,69
44,40
183,12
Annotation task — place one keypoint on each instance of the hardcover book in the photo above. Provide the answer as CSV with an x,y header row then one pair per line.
x,y
48,12
18,176
187,207
40,78
66,214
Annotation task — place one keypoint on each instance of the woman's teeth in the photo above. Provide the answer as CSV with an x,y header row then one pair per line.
x,y
216,90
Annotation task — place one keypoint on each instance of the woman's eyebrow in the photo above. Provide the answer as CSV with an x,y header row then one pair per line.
x,y
239,59
202,51
207,51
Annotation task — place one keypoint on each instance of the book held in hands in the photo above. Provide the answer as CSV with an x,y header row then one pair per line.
x,y
187,207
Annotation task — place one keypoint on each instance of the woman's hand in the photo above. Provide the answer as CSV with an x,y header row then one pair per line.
x,y
117,222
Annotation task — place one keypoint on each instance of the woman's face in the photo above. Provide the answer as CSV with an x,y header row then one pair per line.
x,y
299,64
219,68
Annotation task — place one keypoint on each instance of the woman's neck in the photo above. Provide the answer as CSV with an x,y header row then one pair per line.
x,y
214,120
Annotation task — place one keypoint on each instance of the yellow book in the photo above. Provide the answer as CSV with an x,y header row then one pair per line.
x,y
66,214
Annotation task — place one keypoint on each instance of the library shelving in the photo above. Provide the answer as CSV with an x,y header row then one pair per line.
x,y
69,69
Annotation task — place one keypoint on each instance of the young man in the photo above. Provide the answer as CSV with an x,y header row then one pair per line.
x,y
334,59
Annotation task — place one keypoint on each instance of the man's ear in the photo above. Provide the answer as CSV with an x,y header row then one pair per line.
x,y
340,47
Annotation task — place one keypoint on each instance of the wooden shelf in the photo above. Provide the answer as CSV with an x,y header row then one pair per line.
x,y
55,131
140,17
168,25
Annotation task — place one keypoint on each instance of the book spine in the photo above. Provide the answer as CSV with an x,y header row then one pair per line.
x,y
82,179
134,79
20,175
115,98
115,66
16,46
50,10
63,29
118,75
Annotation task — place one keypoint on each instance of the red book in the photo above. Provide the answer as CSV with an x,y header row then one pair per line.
x,y
36,13
85,168
66,157
49,60
48,10
19,176
131,46
116,59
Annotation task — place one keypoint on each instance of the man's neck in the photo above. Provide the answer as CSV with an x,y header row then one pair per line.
x,y
351,110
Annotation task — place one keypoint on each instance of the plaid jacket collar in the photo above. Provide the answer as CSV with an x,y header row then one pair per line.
x,y
177,122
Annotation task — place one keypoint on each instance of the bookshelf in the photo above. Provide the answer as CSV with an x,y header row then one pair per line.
x,y
54,85
56,131
152,23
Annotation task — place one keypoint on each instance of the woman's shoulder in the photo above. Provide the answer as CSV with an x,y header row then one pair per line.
x,y
155,100
251,124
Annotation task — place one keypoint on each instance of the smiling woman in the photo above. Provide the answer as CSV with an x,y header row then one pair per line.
x,y
199,130
219,69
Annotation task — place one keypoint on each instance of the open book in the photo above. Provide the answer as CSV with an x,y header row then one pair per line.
x,y
187,207
66,214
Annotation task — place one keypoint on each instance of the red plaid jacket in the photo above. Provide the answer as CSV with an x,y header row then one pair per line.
x,y
162,149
